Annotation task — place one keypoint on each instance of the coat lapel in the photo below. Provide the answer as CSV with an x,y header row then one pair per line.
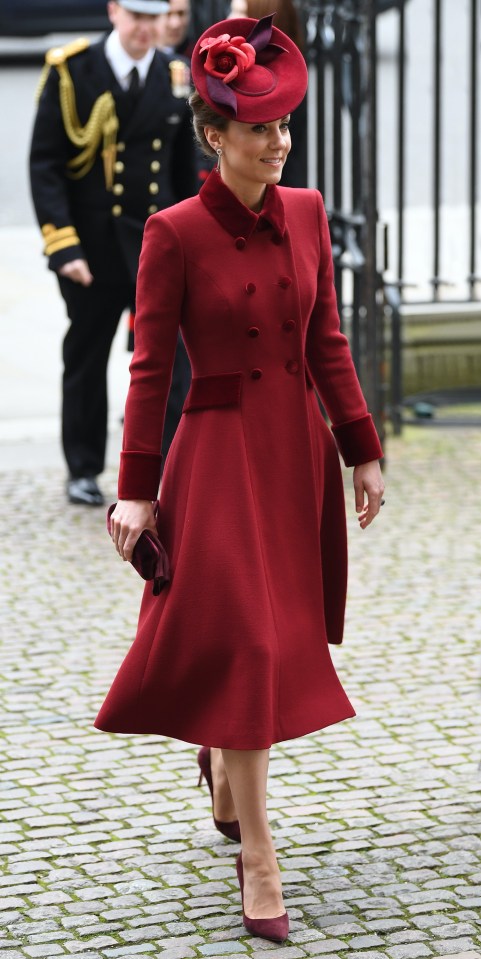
x,y
102,77
156,87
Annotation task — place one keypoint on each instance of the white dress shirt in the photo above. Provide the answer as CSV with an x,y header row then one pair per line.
x,y
122,64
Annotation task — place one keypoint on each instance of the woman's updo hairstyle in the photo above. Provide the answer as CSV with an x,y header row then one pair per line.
x,y
204,116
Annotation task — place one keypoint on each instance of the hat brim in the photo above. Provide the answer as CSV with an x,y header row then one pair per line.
x,y
266,92
152,7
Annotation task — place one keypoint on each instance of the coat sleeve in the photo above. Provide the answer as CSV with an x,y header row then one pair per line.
x,y
160,292
331,366
49,154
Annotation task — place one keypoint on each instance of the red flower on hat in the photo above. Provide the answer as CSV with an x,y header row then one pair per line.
x,y
228,58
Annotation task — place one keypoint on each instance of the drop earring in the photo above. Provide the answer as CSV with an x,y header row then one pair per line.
x,y
219,154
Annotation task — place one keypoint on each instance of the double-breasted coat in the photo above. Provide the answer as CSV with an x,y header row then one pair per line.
x,y
234,652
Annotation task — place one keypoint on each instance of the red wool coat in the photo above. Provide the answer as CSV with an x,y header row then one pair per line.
x,y
234,652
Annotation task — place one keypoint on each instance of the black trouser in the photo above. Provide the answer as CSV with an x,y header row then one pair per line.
x,y
94,314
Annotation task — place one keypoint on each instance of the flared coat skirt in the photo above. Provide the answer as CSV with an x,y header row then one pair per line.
x,y
234,652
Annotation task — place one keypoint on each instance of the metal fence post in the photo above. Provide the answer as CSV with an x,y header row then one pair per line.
x,y
371,361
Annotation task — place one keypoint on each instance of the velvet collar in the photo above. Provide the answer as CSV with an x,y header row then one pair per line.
x,y
236,218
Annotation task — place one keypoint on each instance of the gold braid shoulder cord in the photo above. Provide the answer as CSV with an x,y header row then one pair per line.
x,y
102,124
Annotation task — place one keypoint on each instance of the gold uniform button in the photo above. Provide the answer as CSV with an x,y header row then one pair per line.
x,y
153,208
155,166
118,189
117,209
154,187
119,166
156,144
120,147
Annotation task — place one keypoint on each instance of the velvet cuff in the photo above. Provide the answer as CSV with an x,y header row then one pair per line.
x,y
139,475
358,441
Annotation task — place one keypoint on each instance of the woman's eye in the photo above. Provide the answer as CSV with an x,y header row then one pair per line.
x,y
259,128
285,126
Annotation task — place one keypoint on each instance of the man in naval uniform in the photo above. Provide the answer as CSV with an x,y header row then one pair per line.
x,y
111,144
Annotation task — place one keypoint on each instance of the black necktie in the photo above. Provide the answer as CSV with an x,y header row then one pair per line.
x,y
134,82
132,93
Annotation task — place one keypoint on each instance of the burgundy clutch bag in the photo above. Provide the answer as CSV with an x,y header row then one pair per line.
x,y
149,557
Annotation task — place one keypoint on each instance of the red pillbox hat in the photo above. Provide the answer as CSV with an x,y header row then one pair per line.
x,y
248,70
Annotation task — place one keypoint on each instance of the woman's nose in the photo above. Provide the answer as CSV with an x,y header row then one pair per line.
x,y
278,140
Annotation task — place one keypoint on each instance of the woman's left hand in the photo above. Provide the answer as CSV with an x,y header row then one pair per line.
x,y
367,479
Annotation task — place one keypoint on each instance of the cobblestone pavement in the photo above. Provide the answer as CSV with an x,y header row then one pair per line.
x,y
108,849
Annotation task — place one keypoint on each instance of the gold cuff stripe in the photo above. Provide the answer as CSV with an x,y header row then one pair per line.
x,y
51,232
54,247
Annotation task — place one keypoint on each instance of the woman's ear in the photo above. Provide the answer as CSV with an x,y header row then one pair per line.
x,y
212,136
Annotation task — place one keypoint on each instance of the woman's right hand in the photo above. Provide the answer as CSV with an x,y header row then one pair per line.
x,y
128,520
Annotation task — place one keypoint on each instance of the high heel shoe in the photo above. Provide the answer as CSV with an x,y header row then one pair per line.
x,y
229,829
276,929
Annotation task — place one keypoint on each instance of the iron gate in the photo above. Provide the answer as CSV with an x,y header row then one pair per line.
x,y
393,244
347,140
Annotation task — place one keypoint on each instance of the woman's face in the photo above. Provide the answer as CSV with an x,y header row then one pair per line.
x,y
253,154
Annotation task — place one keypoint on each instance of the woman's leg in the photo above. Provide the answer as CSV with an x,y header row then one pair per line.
x,y
224,808
247,773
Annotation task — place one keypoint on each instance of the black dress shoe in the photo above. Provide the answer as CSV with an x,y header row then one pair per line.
x,y
84,491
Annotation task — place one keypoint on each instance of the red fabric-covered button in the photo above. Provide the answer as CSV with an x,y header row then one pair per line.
x,y
277,239
288,325
256,374
250,287
292,366
253,331
240,242
285,281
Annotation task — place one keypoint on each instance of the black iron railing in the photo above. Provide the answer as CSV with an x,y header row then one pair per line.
x,y
345,144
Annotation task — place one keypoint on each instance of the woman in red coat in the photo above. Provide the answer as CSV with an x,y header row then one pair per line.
x,y
234,653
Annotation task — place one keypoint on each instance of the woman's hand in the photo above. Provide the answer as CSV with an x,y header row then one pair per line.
x,y
367,479
129,518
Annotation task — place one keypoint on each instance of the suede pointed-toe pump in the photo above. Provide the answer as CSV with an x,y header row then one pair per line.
x,y
229,829
277,929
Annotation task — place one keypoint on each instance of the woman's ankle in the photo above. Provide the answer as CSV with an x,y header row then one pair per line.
x,y
262,887
260,857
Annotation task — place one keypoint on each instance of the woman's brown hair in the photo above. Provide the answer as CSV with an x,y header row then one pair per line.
x,y
205,116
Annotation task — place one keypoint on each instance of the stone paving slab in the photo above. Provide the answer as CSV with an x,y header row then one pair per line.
x,y
108,849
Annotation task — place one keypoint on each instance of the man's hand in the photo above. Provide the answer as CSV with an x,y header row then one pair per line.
x,y
78,271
